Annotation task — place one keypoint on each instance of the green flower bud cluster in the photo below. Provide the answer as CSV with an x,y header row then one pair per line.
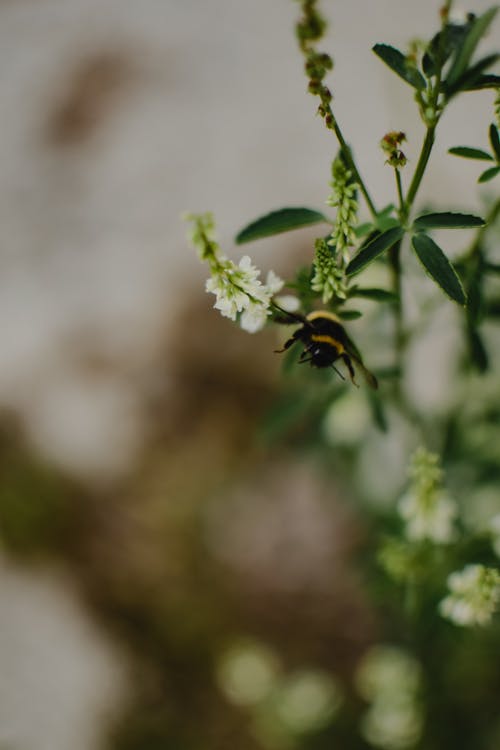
x,y
310,29
311,26
332,255
329,278
390,145
343,198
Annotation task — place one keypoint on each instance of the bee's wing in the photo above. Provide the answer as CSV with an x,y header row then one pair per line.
x,y
368,376
288,318
354,353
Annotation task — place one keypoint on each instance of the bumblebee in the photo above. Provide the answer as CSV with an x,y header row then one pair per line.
x,y
325,341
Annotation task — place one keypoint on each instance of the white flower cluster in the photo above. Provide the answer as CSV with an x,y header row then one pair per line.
x,y
474,595
389,678
428,512
237,288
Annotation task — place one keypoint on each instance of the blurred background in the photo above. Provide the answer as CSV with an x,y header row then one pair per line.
x,y
165,562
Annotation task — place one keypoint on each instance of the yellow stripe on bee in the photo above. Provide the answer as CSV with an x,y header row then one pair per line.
x,y
321,338
322,314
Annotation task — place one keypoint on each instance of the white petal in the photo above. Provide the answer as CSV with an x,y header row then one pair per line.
x,y
288,302
274,283
254,318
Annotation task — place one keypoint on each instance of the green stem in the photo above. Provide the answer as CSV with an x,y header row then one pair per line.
x,y
352,165
395,266
402,207
421,165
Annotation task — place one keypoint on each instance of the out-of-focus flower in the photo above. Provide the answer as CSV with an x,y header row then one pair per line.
x,y
389,670
399,559
308,701
247,672
429,513
390,679
347,420
393,725
428,516
237,288
474,595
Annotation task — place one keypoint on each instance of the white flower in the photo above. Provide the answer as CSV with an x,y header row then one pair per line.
x,y
230,299
390,678
393,725
237,288
288,302
254,318
474,597
273,283
428,515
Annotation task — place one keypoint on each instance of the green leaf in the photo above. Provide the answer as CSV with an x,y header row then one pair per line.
x,y
447,220
442,45
386,222
470,153
495,141
489,174
492,267
387,210
276,222
468,80
463,56
379,295
349,314
363,229
400,65
374,248
439,267
385,219
488,81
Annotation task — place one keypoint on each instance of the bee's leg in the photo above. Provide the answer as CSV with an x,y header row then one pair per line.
x,y
338,372
286,345
347,361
